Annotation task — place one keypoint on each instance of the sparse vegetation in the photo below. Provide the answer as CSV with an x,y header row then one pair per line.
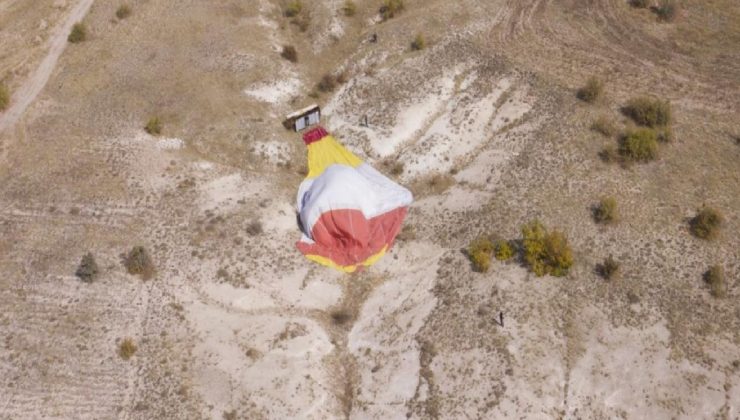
x,y
293,8
706,223
667,10
639,145
715,278
479,252
609,154
649,112
591,91
606,210
349,9
289,53
391,8
127,348
546,252
138,262
604,125
4,97
503,251
154,126
419,43
123,11
87,271
640,4
254,228
665,135
78,34
327,83
608,269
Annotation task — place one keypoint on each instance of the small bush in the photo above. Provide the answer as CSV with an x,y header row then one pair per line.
x,y
706,223
503,251
479,252
667,10
391,8
289,53
78,34
293,8
127,348
138,262
715,278
154,126
327,83
546,252
123,11
639,145
418,43
640,4
605,126
648,111
87,271
591,91
349,8
606,210
4,97
608,269
254,228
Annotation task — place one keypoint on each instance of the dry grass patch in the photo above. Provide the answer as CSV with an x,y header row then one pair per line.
x,y
289,53
391,8
138,262
479,252
649,112
293,8
349,8
715,278
154,126
592,91
503,250
604,126
640,145
667,10
706,223
606,210
608,269
127,348
419,43
123,11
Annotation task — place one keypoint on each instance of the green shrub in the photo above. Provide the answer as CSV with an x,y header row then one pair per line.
x,y
293,8
503,250
479,252
78,34
604,125
608,269
349,8
123,11
606,210
127,348
87,271
138,262
154,126
4,97
391,8
289,53
715,278
639,145
591,91
546,252
648,111
706,223
418,43
667,10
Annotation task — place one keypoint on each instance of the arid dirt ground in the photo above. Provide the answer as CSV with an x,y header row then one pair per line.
x,y
236,324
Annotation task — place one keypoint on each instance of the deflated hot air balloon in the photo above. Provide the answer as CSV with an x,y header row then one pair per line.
x,y
349,212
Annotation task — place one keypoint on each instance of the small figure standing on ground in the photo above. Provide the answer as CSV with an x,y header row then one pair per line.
x,y
374,38
501,318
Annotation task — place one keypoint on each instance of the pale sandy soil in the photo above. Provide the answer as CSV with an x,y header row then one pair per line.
x,y
236,324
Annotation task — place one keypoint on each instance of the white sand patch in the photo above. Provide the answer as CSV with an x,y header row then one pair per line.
x,y
387,324
272,151
280,217
276,92
246,299
458,198
272,363
226,191
169,143
203,165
